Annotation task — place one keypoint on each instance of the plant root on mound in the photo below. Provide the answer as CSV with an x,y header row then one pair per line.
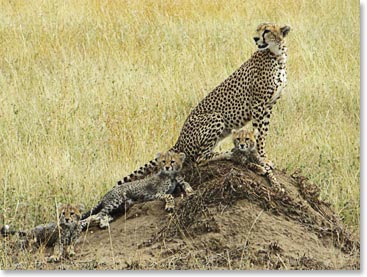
x,y
222,188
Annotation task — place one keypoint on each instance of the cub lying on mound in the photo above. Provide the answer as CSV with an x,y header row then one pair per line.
x,y
158,186
245,152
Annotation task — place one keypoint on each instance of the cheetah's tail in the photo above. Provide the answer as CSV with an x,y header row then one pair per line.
x,y
93,211
143,171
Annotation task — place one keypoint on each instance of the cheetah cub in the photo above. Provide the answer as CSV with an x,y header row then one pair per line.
x,y
245,152
69,231
158,186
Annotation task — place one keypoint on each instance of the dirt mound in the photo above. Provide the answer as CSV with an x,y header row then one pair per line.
x,y
235,220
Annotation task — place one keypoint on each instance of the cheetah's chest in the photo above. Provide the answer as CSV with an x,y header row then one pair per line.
x,y
280,84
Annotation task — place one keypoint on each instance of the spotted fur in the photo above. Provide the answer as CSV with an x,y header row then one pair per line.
x,y
158,186
44,234
61,235
249,94
69,231
245,153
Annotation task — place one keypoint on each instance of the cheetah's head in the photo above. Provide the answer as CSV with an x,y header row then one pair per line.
x,y
244,140
69,213
170,162
269,35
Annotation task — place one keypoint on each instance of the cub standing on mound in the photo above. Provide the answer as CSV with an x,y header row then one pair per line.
x,y
69,231
249,94
158,186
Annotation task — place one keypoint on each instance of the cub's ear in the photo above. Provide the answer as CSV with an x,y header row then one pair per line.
x,y
256,133
59,206
285,30
80,207
182,156
234,132
158,155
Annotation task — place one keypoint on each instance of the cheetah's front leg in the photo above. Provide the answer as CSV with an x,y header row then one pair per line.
x,y
70,250
169,202
261,123
58,252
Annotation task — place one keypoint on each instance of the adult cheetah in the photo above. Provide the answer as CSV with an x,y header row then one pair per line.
x,y
248,94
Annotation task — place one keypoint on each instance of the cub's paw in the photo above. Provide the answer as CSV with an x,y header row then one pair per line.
x,y
188,190
104,222
260,170
54,259
276,185
71,251
169,208
268,163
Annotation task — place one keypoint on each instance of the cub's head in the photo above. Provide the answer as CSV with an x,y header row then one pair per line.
x,y
244,140
69,213
269,35
170,162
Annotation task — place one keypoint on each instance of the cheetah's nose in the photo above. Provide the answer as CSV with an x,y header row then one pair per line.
x,y
256,39
242,146
167,167
66,220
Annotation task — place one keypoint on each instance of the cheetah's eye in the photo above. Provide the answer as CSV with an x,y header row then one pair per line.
x,y
266,31
164,161
63,213
172,162
72,213
238,139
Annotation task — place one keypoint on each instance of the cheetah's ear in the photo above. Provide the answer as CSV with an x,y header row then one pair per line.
x,y
182,156
234,132
285,30
158,155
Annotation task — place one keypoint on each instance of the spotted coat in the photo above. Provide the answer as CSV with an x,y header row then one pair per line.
x,y
248,94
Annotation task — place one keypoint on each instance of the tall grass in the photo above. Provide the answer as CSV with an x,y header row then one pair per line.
x,y
90,90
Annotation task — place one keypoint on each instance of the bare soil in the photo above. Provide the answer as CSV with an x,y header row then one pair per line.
x,y
235,220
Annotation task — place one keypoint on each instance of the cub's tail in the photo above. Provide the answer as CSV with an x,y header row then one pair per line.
x,y
143,171
7,231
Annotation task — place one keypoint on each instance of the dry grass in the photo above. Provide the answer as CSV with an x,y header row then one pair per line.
x,y
92,89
